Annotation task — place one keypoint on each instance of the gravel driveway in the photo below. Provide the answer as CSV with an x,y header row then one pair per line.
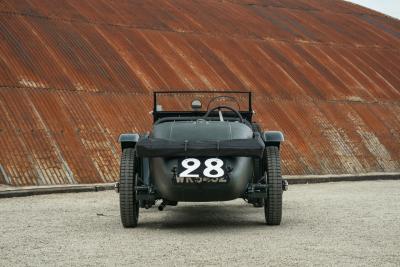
x,y
349,223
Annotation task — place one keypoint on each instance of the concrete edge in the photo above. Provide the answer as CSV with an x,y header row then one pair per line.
x,y
304,179
310,179
45,190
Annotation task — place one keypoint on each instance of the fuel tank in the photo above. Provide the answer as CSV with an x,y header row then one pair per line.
x,y
165,171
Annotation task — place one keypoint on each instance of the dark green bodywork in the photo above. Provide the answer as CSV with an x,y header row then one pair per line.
x,y
242,167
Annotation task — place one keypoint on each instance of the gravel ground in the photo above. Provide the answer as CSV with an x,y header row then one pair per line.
x,y
350,223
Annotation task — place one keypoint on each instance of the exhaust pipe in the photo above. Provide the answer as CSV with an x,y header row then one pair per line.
x,y
166,202
162,205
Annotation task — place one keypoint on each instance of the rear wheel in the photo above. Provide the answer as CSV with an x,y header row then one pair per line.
x,y
273,202
129,206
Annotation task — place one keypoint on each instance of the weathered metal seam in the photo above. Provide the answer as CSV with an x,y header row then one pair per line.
x,y
211,68
376,120
385,90
166,61
290,68
339,67
364,128
268,83
96,56
130,61
52,141
189,65
23,180
325,73
383,71
211,35
377,93
72,117
48,49
261,94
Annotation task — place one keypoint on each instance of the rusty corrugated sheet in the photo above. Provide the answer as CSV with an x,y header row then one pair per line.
x,y
74,74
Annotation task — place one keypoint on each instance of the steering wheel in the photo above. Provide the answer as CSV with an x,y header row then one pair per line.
x,y
225,107
223,96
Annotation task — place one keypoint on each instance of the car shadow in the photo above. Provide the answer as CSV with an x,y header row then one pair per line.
x,y
206,217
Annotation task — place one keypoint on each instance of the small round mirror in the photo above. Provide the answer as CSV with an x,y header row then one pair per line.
x,y
196,105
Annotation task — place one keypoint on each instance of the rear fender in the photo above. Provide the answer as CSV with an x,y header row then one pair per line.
x,y
128,140
273,137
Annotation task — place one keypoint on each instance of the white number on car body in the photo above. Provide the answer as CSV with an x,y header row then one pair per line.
x,y
213,168
190,165
215,165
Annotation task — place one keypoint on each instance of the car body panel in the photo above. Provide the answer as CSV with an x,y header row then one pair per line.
x,y
239,178
161,168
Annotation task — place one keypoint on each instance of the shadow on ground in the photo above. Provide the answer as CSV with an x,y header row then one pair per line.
x,y
203,217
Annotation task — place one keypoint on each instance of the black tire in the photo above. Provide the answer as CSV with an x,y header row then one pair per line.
x,y
273,202
129,206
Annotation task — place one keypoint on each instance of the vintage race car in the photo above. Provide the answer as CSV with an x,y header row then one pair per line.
x,y
197,154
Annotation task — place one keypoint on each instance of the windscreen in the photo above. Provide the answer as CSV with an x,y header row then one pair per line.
x,y
182,101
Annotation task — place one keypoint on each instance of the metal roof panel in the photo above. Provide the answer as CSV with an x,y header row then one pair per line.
x,y
75,74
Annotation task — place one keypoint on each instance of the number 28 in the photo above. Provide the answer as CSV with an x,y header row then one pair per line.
x,y
213,167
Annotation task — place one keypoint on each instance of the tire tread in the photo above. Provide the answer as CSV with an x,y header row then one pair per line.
x,y
273,202
129,206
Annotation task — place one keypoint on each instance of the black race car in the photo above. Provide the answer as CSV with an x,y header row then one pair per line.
x,y
198,154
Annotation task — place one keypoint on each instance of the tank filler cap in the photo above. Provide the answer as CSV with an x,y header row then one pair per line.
x,y
196,105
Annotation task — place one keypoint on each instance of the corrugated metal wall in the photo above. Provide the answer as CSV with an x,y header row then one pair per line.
x,y
75,74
